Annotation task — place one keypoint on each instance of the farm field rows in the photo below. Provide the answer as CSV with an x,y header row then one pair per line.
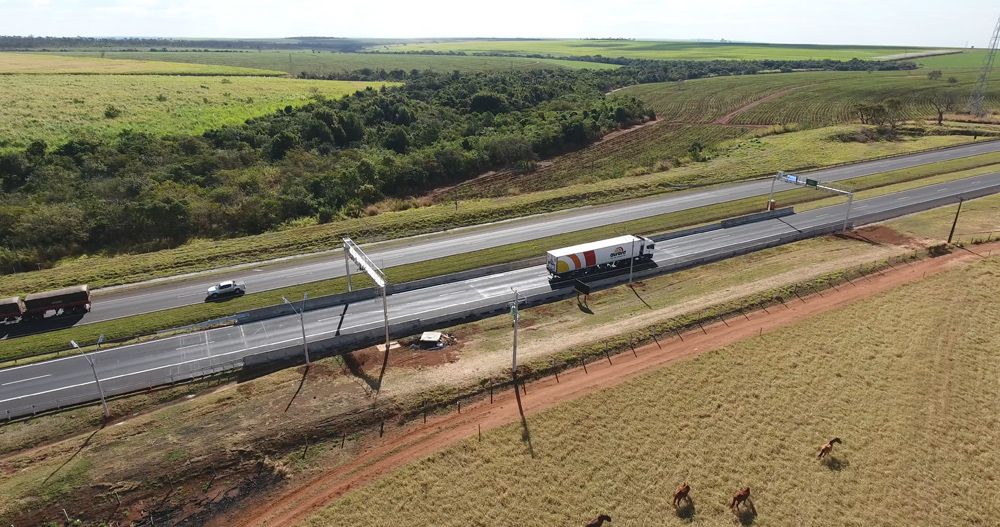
x,y
325,63
94,64
662,50
57,108
914,380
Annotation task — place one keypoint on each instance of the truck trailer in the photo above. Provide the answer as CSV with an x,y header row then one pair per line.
x,y
67,301
11,309
605,254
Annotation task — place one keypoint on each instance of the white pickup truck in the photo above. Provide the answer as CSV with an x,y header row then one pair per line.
x,y
229,287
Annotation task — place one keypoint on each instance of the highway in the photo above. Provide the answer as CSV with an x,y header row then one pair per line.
x,y
189,292
70,380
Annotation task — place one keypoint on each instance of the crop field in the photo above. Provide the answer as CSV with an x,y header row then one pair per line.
x,y
57,108
48,64
907,379
659,50
325,63
968,59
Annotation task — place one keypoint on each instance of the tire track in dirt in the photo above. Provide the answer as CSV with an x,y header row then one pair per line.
x,y
441,432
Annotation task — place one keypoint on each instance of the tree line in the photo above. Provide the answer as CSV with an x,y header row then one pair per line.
x,y
326,160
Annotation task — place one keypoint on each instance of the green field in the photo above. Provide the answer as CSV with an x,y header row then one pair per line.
x,y
94,64
659,50
687,110
326,63
968,59
57,108
908,380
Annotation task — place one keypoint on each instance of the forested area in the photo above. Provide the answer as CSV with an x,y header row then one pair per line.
x,y
325,160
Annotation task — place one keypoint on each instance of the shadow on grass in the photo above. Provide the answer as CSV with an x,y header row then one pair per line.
x,y
835,463
301,383
640,298
104,422
358,371
686,511
584,307
747,513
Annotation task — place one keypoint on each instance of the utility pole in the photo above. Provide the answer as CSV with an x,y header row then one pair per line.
x,y
347,266
100,389
850,201
302,322
954,223
770,198
631,262
514,312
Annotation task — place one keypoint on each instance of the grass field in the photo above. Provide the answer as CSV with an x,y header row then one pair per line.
x,y
94,64
175,450
658,50
906,378
57,108
325,63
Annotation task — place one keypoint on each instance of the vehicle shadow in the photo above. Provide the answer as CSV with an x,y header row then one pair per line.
x,y
222,299
52,323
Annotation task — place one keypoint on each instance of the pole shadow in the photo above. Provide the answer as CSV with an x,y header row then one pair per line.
x,y
341,323
525,431
86,442
640,298
358,371
302,382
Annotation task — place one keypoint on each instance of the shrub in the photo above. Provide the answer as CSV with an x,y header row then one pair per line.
x,y
112,111
161,98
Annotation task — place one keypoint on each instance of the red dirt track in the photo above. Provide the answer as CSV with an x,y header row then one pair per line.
x,y
420,440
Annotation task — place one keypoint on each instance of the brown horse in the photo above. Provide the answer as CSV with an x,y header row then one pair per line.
x,y
682,494
598,521
740,497
827,448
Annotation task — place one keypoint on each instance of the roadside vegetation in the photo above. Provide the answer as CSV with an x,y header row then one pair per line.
x,y
915,380
36,347
399,218
218,442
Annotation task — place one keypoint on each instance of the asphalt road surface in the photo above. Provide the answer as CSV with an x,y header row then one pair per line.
x,y
156,298
70,380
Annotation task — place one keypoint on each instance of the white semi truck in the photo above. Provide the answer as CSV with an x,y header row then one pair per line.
x,y
605,254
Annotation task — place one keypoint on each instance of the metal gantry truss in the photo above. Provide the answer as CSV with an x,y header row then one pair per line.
x,y
803,181
978,96
354,253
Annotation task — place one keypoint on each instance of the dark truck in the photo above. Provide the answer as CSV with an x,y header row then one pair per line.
x,y
69,301
11,309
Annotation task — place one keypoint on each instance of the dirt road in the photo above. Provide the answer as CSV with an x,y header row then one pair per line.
x,y
420,440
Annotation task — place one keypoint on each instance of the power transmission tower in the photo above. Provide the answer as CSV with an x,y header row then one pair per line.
x,y
979,92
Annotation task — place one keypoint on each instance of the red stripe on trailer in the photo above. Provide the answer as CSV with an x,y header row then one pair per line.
x,y
576,260
591,259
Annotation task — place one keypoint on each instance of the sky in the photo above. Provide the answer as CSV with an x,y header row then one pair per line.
x,y
869,22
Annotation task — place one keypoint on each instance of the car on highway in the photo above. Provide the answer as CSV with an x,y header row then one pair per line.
x,y
227,288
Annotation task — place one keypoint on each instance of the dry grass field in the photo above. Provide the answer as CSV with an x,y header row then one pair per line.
x,y
908,379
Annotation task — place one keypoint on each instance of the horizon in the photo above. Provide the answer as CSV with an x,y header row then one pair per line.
x,y
891,23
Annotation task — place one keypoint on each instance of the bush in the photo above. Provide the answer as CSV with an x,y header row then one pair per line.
x,y
161,98
112,111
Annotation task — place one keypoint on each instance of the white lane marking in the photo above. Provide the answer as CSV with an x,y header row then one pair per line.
x,y
26,380
721,237
191,294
